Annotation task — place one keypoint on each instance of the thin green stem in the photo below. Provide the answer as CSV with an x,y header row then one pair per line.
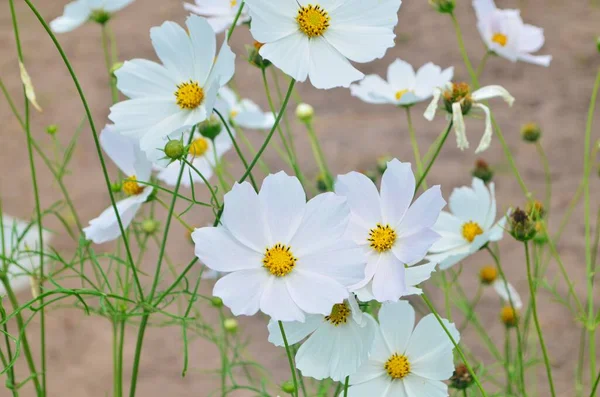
x,y
463,51
435,155
319,155
536,320
587,166
456,346
482,63
547,174
290,358
109,63
507,362
235,20
346,386
415,145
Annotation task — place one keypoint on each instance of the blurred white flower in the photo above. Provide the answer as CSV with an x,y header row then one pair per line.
x,y
406,361
219,13
285,256
19,252
508,293
403,87
337,344
243,112
459,101
505,33
203,155
79,12
318,40
469,226
392,232
181,92
125,153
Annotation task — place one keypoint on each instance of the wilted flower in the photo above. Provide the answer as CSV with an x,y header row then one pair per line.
x,y
460,101
461,378
79,12
505,33
317,40
522,227
403,87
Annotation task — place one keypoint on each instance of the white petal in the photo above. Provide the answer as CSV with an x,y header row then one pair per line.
x,y
541,60
483,8
424,212
315,293
397,321
327,67
204,45
219,250
376,387
283,202
459,127
140,78
241,291
325,220
389,282
116,5
362,195
358,43
74,15
121,149
428,78
417,386
508,293
243,217
272,21
383,13
414,247
486,139
373,89
415,275
342,261
295,331
290,54
429,350
397,190
433,105
493,91
401,75
174,48
136,117
221,72
471,204
277,302
531,38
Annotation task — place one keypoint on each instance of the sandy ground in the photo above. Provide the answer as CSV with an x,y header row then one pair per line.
x,y
353,135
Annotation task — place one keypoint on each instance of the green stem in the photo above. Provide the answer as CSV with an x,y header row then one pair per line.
x,y
587,166
319,155
415,145
456,346
346,386
290,358
435,155
537,321
463,51
507,362
109,63
547,175
235,20
482,63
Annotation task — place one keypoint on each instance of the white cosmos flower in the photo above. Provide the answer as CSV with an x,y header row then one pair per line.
x,y
403,87
392,232
126,154
459,101
202,155
243,112
285,257
219,13
406,362
337,344
19,252
181,92
469,226
505,33
318,38
79,12
508,293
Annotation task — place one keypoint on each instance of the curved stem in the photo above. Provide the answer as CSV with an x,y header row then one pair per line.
x,y
536,320
435,155
235,20
290,358
415,145
319,155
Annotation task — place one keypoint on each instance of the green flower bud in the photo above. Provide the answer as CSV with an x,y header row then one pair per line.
x,y
482,171
254,56
305,112
150,226
531,132
174,149
210,128
443,6
230,325
288,387
52,129
216,302
522,228
116,187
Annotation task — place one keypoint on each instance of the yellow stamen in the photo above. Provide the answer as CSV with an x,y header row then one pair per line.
x,y
488,274
198,147
397,366
470,230
339,314
400,94
189,95
382,238
131,187
509,316
278,260
233,3
500,38
313,20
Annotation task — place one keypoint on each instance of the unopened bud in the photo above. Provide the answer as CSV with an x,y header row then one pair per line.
x,y
443,6
254,56
482,171
230,325
536,210
531,132
116,187
210,128
541,236
488,274
305,112
52,129
461,378
150,226
288,387
174,149
522,227
216,301
509,316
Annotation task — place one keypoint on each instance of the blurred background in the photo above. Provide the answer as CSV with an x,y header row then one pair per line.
x,y
353,134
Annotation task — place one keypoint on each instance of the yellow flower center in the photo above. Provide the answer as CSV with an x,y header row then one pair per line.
x,y
233,114
313,20
278,260
500,38
397,366
339,314
189,95
488,274
198,147
470,230
509,316
400,94
382,238
131,187
233,3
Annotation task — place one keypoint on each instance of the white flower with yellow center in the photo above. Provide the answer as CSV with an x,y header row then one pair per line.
x,y
406,361
403,87
125,153
392,232
337,343
219,13
79,12
318,38
203,155
285,257
505,33
459,101
469,226
181,92
243,113
19,252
